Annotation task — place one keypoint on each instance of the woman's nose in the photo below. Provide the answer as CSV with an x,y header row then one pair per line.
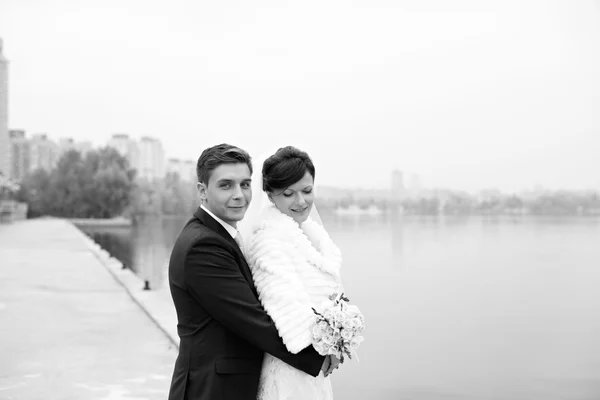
x,y
300,199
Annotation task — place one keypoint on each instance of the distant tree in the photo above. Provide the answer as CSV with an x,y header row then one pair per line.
x,y
97,186
458,204
558,203
421,206
36,191
8,188
67,182
179,197
147,198
108,183
110,194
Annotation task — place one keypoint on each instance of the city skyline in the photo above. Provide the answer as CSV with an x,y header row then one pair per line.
x,y
469,96
40,150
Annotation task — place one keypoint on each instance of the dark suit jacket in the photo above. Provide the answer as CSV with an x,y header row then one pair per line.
x,y
223,329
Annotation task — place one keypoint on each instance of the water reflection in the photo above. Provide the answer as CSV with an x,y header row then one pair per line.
x,y
117,241
145,247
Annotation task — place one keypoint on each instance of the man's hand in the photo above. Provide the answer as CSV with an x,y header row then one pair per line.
x,y
326,365
331,363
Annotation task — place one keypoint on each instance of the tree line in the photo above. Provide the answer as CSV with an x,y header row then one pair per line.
x,y
559,202
102,184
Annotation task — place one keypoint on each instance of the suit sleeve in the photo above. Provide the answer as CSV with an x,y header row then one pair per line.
x,y
215,281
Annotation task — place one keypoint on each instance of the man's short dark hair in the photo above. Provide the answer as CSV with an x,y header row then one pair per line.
x,y
217,155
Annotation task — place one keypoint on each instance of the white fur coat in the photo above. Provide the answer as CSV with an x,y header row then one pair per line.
x,y
295,267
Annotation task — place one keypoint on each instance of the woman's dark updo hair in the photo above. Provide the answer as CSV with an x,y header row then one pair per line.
x,y
286,167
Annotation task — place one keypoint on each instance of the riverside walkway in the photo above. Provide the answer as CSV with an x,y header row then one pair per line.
x,y
69,328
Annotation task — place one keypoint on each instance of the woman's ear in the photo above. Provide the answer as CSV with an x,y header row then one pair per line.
x,y
270,196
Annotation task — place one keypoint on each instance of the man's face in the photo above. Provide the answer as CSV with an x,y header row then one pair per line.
x,y
297,200
227,193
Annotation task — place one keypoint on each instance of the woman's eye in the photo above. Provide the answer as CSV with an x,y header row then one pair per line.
x,y
288,194
309,191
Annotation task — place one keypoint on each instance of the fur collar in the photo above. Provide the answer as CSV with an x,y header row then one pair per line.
x,y
310,238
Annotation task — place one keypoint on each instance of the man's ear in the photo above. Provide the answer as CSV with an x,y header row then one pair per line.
x,y
202,191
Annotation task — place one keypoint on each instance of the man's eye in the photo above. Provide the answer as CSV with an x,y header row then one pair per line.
x,y
225,186
245,185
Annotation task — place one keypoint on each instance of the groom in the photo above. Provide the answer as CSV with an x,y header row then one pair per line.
x,y
223,329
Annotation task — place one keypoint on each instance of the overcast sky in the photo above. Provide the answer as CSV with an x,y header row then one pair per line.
x,y
467,94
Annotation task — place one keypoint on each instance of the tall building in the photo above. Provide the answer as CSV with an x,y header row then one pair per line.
x,y
121,142
414,186
4,139
66,144
126,147
189,170
186,169
43,153
398,188
19,155
152,159
173,166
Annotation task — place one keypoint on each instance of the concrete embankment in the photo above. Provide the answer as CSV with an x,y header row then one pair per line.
x,y
74,324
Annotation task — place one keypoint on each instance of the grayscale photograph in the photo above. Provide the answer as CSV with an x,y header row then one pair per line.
x,y
300,200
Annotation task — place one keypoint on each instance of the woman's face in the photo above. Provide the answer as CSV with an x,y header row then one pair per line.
x,y
297,200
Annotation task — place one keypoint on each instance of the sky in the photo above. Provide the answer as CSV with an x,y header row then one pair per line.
x,y
467,95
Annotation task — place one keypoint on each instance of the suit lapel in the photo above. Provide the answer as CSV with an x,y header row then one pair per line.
x,y
213,224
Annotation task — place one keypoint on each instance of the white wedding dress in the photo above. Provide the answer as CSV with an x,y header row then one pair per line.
x,y
294,268
279,381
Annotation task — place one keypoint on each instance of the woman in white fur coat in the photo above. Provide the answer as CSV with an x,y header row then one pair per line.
x,y
295,266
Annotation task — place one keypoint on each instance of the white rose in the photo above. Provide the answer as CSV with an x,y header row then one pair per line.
x,y
321,348
355,342
348,324
346,334
339,316
317,332
328,340
337,335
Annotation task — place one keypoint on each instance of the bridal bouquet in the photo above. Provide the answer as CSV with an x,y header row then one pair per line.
x,y
337,328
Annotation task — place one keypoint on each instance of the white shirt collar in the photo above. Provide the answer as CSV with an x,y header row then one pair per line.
x,y
230,229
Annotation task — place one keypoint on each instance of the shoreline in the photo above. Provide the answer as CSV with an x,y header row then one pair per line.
x,y
155,303
101,222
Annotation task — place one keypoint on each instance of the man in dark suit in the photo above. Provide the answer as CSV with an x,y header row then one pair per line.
x,y
223,329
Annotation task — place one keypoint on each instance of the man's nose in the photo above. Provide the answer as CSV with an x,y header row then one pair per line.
x,y
237,191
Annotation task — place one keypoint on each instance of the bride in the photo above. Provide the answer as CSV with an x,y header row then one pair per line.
x,y
295,266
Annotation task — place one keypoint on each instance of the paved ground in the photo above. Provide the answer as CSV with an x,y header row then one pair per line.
x,y
68,328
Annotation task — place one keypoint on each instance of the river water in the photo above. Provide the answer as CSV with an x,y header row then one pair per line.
x,y
456,307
